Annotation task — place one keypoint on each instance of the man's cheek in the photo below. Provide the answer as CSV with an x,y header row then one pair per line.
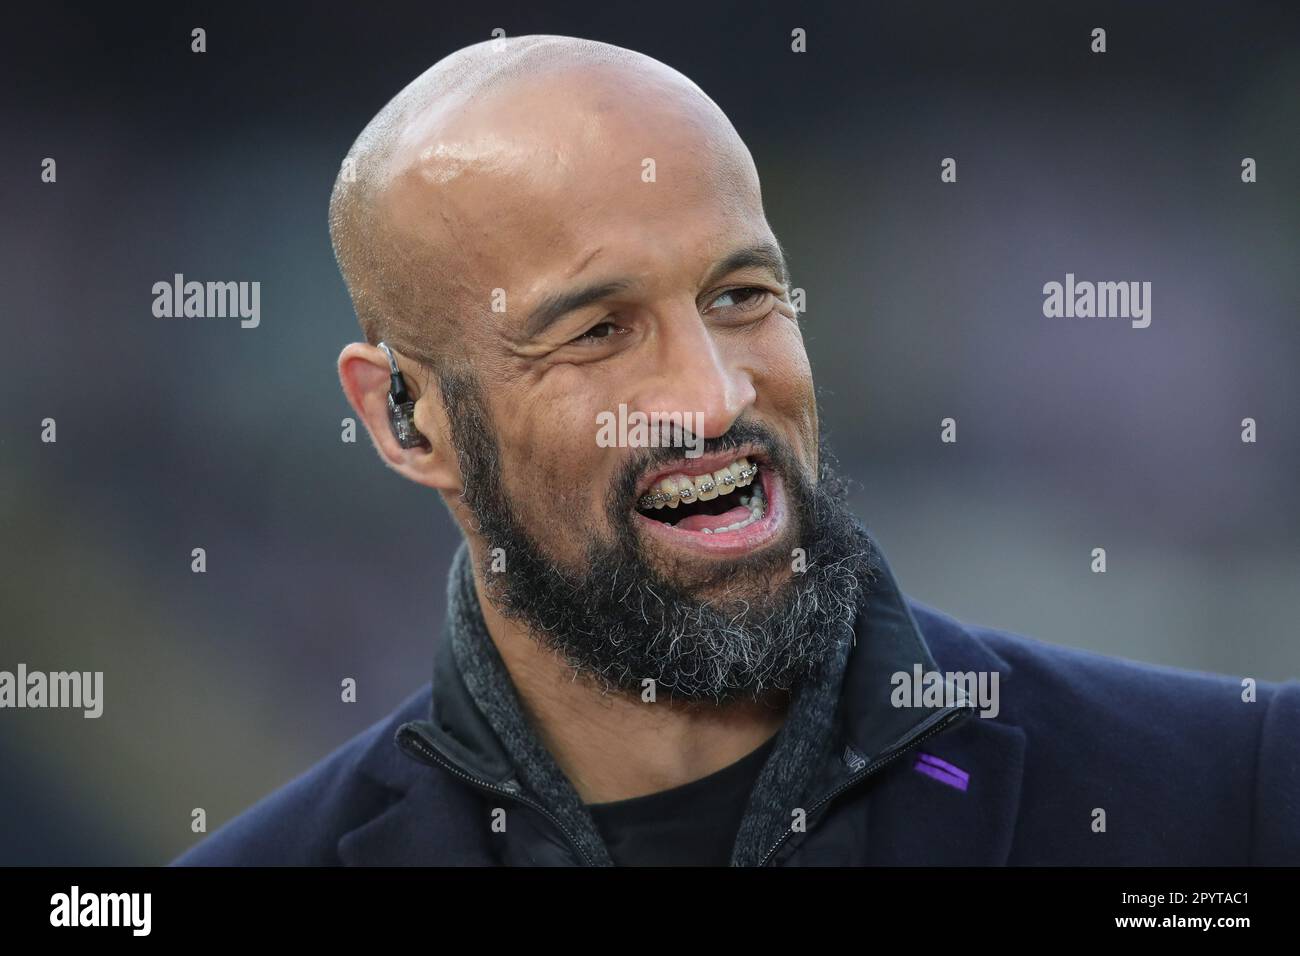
x,y
561,503
785,367
788,398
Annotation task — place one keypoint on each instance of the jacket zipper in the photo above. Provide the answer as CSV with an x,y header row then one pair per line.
x,y
900,749
431,756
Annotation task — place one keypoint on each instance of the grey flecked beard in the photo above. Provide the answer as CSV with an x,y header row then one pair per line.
x,y
621,622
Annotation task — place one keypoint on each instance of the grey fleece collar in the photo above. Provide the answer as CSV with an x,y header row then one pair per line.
x,y
802,746
488,682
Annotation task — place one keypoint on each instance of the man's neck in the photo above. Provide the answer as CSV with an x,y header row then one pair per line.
x,y
613,746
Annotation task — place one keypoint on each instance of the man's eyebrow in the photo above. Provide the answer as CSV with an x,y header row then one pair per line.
x,y
765,255
559,304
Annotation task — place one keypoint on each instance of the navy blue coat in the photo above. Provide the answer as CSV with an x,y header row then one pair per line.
x,y
1185,771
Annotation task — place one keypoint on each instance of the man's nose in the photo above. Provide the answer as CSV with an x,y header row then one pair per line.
x,y
696,373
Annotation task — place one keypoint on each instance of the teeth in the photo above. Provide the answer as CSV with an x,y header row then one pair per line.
x,y
668,487
756,511
675,489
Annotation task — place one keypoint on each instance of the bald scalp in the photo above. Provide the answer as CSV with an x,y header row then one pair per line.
x,y
410,292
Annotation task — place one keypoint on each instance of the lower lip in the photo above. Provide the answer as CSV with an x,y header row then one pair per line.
x,y
727,543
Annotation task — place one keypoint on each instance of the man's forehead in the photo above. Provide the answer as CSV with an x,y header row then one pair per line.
x,y
528,192
530,158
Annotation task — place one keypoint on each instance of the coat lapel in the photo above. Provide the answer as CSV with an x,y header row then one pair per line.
x,y
953,798
407,813
920,815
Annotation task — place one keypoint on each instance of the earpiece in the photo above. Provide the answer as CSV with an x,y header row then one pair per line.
x,y
401,410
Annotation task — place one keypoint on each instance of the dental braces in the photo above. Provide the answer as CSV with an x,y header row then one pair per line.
x,y
688,494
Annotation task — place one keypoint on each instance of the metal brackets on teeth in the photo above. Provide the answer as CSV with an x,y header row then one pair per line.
x,y
688,494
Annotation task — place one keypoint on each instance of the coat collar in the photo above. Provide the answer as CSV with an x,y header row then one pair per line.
x,y
990,751
888,641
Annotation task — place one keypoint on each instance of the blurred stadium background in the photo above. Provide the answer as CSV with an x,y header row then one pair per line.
x,y
924,301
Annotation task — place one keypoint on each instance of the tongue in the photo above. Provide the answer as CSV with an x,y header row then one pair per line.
x,y
713,522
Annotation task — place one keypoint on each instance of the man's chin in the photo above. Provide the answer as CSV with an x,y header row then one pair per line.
x,y
746,595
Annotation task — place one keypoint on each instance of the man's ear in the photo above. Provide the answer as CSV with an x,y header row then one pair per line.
x,y
364,375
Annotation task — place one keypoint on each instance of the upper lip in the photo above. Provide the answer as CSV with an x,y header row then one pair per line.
x,y
691,467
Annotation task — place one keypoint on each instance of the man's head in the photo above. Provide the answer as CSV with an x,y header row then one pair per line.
x,y
560,232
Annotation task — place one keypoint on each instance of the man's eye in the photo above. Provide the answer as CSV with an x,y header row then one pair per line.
x,y
748,297
597,332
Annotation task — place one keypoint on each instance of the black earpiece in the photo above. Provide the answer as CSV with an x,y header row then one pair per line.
x,y
401,409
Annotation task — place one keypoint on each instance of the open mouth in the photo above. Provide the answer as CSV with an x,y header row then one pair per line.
x,y
727,499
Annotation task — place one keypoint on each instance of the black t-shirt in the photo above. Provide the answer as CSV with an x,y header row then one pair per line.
x,y
691,825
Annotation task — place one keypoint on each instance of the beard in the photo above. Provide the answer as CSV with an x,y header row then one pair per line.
x,y
620,621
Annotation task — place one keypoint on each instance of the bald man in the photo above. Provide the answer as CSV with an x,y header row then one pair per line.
x,y
668,641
